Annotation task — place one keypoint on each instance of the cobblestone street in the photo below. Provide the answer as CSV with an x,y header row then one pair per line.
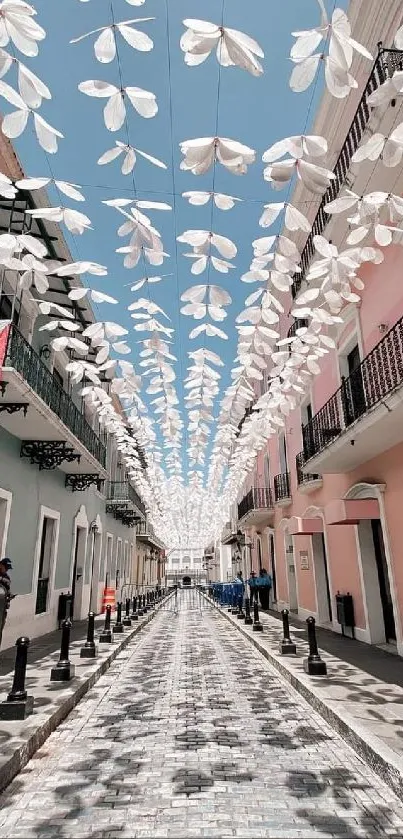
x,y
192,733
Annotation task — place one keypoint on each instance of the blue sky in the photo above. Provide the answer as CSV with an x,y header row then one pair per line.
x,y
256,111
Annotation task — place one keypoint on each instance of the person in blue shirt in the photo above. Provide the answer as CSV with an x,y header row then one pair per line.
x,y
264,584
252,582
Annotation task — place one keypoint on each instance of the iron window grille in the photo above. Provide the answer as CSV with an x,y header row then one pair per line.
x,y
282,486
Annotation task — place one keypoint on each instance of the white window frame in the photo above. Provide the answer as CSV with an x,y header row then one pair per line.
x,y
46,512
7,496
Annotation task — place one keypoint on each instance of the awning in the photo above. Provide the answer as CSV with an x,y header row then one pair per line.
x,y
304,526
351,511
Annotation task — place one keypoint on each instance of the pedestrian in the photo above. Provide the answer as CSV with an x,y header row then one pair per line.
x,y
253,587
238,588
264,584
5,583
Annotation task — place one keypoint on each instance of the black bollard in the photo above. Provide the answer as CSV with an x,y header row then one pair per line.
x,y
18,704
257,626
314,664
106,634
126,619
118,625
287,647
134,616
140,610
241,613
89,649
64,670
248,616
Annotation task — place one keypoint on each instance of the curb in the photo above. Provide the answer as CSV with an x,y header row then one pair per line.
x,y
23,753
380,758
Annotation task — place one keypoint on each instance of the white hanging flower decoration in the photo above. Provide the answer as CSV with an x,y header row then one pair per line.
x,y
233,48
316,178
338,61
32,184
17,26
293,219
389,147
14,124
32,89
7,189
200,155
143,101
221,201
129,157
75,222
105,44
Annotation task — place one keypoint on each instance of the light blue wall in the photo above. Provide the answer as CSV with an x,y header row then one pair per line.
x,y
32,488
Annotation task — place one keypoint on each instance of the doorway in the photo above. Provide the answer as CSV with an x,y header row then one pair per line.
x,y
354,403
291,575
323,593
273,566
384,583
95,572
80,543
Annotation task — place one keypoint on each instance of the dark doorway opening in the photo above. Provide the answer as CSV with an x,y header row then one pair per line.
x,y
383,578
186,581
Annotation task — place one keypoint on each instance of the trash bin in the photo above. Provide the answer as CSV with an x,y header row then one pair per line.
x,y
345,612
64,607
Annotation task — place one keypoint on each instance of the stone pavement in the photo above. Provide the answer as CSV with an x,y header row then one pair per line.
x,y
192,733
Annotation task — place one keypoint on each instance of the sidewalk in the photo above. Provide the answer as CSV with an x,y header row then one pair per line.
x,y
361,696
53,700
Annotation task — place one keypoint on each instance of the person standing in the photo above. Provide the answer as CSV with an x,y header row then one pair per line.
x,y
5,591
252,582
264,584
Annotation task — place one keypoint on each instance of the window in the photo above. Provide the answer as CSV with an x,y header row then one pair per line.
x,y
47,546
283,453
266,470
9,309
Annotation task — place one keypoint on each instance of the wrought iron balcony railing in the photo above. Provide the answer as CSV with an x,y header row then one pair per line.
x,y
123,492
229,532
387,62
378,375
304,478
258,498
282,486
299,323
23,358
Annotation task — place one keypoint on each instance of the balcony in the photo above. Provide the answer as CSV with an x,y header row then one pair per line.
x,y
123,503
145,533
307,481
365,416
387,62
256,508
35,408
229,534
282,489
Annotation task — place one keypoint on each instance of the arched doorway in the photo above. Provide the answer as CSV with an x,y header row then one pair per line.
x,y
321,571
186,581
79,561
376,573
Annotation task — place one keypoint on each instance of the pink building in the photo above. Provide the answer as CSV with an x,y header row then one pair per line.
x,y
324,508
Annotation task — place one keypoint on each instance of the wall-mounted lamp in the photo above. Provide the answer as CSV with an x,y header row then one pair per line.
x,y
94,528
45,352
383,327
